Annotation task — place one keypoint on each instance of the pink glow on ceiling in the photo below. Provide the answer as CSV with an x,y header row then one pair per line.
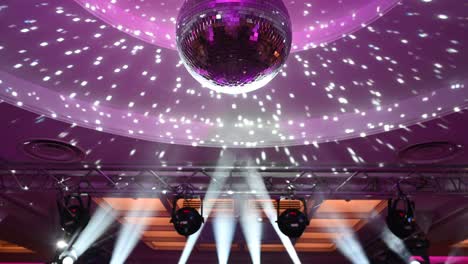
x,y
61,61
314,22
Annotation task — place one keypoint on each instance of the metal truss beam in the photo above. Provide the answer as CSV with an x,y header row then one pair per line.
x,y
347,182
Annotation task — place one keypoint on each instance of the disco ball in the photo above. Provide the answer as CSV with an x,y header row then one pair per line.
x,y
233,46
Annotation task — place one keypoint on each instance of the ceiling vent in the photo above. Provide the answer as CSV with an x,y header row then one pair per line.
x,y
52,151
429,153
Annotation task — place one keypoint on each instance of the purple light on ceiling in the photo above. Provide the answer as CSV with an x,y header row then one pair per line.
x,y
61,61
234,46
314,22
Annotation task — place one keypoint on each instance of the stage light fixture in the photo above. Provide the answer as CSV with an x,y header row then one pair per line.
x,y
68,260
418,245
61,244
401,220
68,257
74,213
187,220
292,222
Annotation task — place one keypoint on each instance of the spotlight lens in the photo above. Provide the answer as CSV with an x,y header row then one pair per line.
x,y
415,262
61,244
292,223
187,221
400,225
68,260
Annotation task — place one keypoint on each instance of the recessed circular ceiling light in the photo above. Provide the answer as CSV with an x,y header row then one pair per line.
x,y
50,150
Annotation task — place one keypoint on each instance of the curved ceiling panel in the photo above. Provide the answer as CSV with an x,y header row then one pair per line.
x,y
314,22
59,60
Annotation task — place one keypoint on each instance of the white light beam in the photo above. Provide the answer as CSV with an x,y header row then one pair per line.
x,y
252,230
131,232
216,184
256,183
346,240
224,226
395,244
98,224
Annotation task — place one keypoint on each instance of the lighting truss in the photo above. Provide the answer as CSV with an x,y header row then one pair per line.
x,y
329,182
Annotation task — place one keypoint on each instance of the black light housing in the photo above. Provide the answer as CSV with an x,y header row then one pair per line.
x,y
292,222
187,220
68,257
401,220
74,213
418,245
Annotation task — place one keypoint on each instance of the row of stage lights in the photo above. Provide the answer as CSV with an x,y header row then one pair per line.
x,y
292,222
74,212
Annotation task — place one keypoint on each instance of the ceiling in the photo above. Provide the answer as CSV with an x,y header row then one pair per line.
x,y
63,62
373,94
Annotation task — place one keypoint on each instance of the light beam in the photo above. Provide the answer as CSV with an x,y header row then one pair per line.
x,y
216,184
395,244
252,230
98,224
256,183
224,227
347,242
130,232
